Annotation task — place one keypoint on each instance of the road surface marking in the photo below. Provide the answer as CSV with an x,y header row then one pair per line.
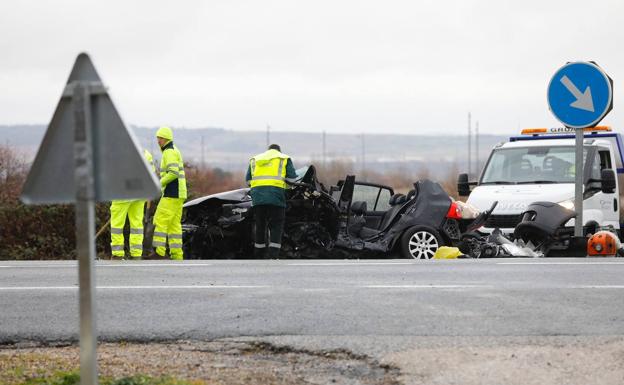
x,y
560,263
131,264
306,289
350,264
427,286
162,287
174,264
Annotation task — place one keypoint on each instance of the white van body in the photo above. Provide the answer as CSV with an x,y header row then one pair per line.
x,y
534,168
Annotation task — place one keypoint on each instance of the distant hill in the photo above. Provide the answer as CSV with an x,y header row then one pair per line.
x,y
230,150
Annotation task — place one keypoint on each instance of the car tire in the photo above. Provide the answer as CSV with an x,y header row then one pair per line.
x,y
420,242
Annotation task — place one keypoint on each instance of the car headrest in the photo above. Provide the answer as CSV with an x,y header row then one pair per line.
x,y
358,207
393,199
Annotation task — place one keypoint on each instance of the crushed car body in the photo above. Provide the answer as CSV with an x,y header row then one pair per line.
x,y
350,219
540,231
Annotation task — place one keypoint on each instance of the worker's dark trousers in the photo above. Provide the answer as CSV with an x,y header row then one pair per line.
x,y
269,218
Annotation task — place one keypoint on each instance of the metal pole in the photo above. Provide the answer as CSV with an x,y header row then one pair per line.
x,y
469,147
324,150
363,158
85,230
203,159
578,184
478,166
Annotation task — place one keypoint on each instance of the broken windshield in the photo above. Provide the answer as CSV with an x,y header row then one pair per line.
x,y
547,164
301,172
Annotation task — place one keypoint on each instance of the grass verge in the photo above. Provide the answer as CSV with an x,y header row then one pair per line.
x,y
73,378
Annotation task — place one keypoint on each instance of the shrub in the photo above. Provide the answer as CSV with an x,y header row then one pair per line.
x,y
205,181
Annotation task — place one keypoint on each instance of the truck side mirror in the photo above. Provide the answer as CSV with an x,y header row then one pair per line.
x,y
607,179
463,186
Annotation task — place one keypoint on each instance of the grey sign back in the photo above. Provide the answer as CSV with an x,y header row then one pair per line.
x,y
119,168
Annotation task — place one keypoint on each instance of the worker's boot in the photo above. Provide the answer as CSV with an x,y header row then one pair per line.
x,y
259,253
273,253
154,255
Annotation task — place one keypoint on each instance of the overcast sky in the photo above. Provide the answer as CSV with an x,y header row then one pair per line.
x,y
408,66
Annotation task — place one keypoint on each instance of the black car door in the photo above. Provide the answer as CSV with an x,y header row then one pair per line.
x,y
377,199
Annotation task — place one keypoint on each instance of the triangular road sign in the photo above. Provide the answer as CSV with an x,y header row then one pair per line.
x,y
119,168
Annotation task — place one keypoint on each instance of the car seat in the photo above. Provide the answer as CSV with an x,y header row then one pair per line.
x,y
357,221
396,202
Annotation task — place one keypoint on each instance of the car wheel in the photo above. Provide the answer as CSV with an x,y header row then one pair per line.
x,y
420,242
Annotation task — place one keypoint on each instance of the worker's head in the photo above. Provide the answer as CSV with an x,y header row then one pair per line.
x,y
275,147
164,135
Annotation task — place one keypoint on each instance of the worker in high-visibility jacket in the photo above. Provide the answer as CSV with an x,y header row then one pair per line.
x,y
134,210
168,216
267,175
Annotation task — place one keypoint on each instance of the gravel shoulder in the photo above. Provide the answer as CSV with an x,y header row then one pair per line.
x,y
216,362
513,361
536,360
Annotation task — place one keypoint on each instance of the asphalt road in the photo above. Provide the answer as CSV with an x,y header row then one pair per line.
x,y
162,300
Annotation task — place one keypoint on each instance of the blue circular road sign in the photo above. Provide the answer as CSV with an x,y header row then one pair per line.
x,y
580,94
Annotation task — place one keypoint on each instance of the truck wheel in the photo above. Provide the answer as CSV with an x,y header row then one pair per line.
x,y
420,242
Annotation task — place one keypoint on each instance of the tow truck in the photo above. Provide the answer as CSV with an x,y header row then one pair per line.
x,y
538,165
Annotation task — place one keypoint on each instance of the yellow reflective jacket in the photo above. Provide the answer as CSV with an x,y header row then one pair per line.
x,y
150,160
172,177
268,169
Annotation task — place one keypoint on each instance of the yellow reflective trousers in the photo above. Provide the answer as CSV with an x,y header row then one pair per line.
x,y
168,227
134,210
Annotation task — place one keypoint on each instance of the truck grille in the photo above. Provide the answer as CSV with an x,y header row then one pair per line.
x,y
503,221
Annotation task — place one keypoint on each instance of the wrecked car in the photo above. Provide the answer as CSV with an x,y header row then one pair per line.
x,y
540,232
350,219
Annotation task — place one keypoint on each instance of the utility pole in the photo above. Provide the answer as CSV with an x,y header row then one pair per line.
x,y
203,158
478,166
469,146
363,158
324,149
268,136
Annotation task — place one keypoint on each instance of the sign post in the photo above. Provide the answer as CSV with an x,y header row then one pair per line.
x,y
578,110
87,136
85,230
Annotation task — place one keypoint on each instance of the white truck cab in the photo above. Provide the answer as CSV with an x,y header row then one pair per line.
x,y
539,166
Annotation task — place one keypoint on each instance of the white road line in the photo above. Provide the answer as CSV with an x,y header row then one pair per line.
x,y
207,287
126,265
351,264
173,264
427,286
501,287
163,287
560,263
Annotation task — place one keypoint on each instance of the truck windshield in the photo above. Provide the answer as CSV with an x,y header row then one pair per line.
x,y
531,165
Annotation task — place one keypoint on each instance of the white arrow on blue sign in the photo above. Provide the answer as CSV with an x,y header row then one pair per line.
x,y
580,94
